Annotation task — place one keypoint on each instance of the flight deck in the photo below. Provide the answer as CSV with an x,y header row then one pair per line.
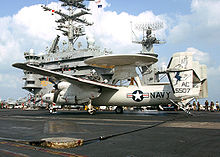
x,y
132,134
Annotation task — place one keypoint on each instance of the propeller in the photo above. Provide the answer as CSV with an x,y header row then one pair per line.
x,y
54,82
57,91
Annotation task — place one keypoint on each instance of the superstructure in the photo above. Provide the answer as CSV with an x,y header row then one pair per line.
x,y
70,58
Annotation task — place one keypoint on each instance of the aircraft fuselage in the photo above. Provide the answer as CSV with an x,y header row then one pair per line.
x,y
136,96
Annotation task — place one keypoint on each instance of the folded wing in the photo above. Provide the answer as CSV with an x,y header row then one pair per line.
x,y
59,76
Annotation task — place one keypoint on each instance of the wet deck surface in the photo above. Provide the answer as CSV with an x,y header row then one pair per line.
x,y
132,134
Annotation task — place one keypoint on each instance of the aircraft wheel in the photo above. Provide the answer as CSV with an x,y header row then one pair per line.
x,y
52,111
91,112
119,110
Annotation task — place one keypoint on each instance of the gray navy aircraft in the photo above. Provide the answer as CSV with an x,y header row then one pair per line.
x,y
187,80
124,86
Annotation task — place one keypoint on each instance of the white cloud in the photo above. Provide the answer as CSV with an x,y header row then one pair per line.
x,y
9,80
11,85
200,56
35,22
31,27
7,42
113,30
202,25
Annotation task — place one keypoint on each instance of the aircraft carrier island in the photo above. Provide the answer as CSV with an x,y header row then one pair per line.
x,y
67,57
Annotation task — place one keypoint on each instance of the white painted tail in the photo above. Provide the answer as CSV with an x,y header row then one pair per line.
x,y
187,77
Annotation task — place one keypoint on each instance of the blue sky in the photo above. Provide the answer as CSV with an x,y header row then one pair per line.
x,y
172,7
10,7
189,25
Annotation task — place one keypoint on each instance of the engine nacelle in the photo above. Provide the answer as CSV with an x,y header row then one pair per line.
x,y
68,93
63,85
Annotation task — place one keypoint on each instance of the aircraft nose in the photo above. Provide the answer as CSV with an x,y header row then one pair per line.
x,y
48,97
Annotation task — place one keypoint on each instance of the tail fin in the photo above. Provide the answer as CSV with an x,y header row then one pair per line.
x,y
188,78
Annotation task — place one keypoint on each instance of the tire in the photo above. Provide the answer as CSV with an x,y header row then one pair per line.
x,y
91,112
119,110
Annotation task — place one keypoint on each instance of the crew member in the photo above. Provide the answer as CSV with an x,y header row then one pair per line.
x,y
217,105
211,106
22,106
206,105
198,105
194,106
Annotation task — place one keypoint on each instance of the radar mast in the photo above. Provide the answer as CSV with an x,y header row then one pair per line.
x,y
71,25
148,38
149,73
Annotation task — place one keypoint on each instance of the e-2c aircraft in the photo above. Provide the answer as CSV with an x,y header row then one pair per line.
x,y
187,81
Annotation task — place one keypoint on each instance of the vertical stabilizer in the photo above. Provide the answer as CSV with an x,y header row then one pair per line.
x,y
188,78
182,83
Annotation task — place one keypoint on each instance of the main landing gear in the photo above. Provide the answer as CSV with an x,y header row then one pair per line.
x,y
119,110
91,110
52,110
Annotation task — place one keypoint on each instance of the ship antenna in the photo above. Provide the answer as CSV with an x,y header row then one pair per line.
x,y
71,25
148,40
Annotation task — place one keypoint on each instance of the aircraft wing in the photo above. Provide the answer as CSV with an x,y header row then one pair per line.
x,y
60,76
